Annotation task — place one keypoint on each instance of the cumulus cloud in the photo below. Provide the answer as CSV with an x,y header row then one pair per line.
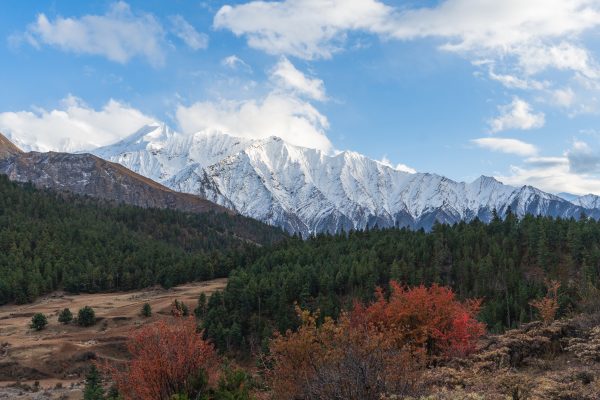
x,y
74,126
504,145
517,115
303,28
518,38
118,35
287,117
285,111
187,33
287,76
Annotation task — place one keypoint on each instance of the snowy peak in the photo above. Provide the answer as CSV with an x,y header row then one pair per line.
x,y
307,191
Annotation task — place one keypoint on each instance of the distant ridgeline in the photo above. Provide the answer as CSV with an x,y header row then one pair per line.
x,y
51,240
505,262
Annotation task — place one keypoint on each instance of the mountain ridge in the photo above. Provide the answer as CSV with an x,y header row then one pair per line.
x,y
307,191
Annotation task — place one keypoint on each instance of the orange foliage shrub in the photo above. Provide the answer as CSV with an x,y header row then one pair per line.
x,y
166,358
430,318
548,306
375,350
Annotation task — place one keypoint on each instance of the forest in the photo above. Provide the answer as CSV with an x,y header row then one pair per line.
x,y
51,240
506,264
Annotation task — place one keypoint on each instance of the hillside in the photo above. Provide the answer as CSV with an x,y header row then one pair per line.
x,y
54,240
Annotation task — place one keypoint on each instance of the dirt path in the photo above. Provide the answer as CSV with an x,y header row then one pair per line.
x,y
60,354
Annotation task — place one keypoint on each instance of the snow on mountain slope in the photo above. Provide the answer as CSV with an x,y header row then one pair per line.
x,y
307,191
587,201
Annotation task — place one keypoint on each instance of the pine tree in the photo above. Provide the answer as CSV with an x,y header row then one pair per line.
x,y
147,310
38,321
86,316
93,387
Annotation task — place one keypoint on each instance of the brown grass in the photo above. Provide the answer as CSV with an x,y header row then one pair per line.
x,y
61,353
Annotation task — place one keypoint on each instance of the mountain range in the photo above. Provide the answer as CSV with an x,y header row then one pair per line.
x,y
307,191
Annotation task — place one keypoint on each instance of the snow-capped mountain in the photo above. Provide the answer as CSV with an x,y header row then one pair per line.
x,y
307,191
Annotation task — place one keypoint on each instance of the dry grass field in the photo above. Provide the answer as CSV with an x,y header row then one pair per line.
x,y
60,354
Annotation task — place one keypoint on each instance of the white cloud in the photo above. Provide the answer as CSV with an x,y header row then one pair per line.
x,y
283,112
234,62
563,97
119,35
277,114
399,167
518,39
551,174
504,145
186,32
72,127
303,28
287,76
576,171
517,115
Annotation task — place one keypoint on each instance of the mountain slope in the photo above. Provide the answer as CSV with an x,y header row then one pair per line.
x,y
57,240
87,174
307,191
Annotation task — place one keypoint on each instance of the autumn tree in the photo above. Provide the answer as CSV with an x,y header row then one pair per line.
x,y
166,359
548,305
430,318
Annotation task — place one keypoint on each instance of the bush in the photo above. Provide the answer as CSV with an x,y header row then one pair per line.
x,y
65,316
86,316
146,310
38,321
166,359
375,350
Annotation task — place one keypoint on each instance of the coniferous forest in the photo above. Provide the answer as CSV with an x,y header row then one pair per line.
x,y
506,263
52,241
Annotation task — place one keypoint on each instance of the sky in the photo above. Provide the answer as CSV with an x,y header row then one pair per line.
x,y
461,88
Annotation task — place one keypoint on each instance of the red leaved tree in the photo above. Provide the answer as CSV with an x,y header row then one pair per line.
x,y
431,318
166,359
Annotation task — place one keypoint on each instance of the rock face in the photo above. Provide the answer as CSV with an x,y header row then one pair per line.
x,y
307,191
87,174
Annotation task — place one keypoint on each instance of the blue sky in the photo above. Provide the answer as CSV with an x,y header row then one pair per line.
x,y
458,87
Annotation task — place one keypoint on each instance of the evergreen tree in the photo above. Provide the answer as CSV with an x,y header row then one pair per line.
x,y
65,316
38,321
147,310
86,316
93,386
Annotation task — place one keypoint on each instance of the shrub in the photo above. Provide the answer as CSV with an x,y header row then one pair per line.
x,y
38,321
65,316
375,350
166,359
86,316
147,310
